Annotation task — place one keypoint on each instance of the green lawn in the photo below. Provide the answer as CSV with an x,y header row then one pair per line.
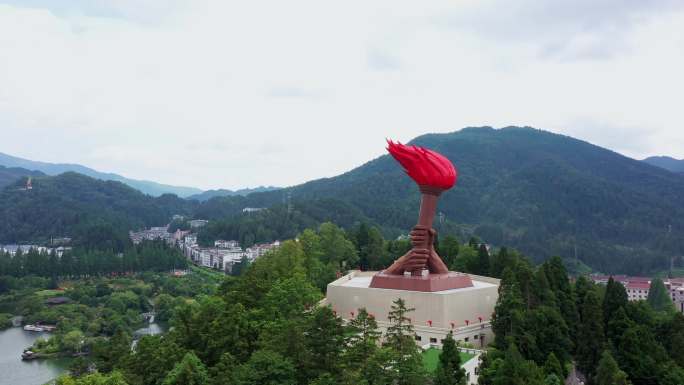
x,y
49,293
431,357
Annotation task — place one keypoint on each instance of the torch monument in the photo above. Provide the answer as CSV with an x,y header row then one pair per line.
x,y
444,301
421,269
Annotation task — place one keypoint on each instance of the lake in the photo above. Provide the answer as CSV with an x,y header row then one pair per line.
x,y
14,371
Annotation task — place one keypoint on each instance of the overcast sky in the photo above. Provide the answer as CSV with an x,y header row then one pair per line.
x,y
244,93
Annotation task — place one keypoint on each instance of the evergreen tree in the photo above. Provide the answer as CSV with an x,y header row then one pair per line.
x,y
659,297
590,337
190,371
557,276
483,260
500,261
608,372
640,355
673,338
542,293
545,331
514,370
618,325
266,368
448,250
552,379
323,337
449,371
509,309
223,373
408,361
553,366
361,341
615,298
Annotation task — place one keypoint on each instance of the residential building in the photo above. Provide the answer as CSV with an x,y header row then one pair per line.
x,y
638,287
226,244
151,234
197,223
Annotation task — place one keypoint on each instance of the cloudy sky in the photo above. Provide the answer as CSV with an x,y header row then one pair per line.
x,y
244,93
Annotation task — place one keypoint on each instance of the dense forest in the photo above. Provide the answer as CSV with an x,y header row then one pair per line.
x,y
81,263
10,175
73,205
264,327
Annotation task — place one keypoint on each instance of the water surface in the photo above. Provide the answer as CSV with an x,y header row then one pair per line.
x,y
14,371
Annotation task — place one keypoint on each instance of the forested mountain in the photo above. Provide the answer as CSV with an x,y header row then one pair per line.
x,y
74,205
666,162
543,193
206,195
147,187
9,175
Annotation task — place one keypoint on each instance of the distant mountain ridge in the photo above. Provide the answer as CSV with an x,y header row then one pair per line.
x,y
147,187
666,162
206,195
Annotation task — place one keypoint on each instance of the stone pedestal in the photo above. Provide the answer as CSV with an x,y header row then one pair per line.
x,y
427,282
465,311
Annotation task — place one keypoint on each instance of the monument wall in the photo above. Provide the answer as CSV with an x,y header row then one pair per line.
x,y
436,313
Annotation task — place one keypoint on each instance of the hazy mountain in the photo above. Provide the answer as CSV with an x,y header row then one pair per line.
x,y
147,187
9,175
666,162
543,193
206,195
72,204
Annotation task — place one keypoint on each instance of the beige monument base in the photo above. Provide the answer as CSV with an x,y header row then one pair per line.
x,y
466,311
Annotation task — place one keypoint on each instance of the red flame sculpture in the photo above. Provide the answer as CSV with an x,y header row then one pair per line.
x,y
425,167
429,322
434,174
467,322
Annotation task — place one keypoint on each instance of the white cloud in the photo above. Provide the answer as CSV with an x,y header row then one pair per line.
x,y
233,94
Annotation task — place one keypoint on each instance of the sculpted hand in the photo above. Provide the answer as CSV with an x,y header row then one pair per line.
x,y
419,236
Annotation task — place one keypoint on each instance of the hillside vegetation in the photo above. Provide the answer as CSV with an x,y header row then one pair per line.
x,y
9,175
543,193
75,205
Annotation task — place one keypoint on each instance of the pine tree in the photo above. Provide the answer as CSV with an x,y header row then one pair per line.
x,y
608,372
553,366
615,298
362,339
266,368
449,371
509,308
514,370
323,338
408,362
482,260
659,297
590,337
617,326
190,371
361,347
